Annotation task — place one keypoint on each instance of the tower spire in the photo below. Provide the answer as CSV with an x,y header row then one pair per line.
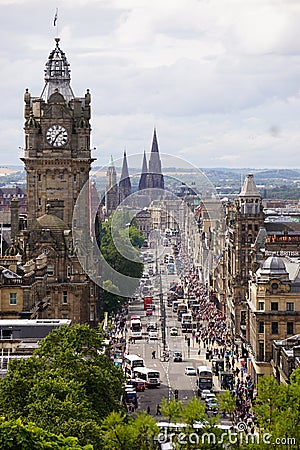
x,y
156,179
111,191
124,184
144,174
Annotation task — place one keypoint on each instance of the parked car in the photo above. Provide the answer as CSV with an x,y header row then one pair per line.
x,y
174,331
177,357
190,370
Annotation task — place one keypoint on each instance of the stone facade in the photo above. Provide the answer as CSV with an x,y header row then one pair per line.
x,y
57,160
273,309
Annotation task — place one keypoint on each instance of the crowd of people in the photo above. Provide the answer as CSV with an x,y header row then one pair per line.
x,y
214,336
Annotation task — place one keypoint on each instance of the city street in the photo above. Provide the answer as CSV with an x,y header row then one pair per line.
x,y
171,373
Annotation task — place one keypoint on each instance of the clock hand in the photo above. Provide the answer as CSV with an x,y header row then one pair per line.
x,y
57,136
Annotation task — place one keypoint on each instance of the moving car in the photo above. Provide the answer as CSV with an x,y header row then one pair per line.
x,y
149,312
177,357
212,404
205,393
190,370
153,334
173,331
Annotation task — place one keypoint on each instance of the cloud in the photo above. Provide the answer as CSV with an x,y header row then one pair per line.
x,y
219,80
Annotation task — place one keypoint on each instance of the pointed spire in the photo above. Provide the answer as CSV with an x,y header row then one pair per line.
x,y
155,177
124,172
111,191
57,75
144,165
154,142
144,174
125,183
111,162
249,188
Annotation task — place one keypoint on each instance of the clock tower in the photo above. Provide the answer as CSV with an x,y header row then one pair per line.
x,y
57,159
57,142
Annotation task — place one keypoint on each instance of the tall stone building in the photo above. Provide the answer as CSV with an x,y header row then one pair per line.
x,y
57,159
273,310
244,219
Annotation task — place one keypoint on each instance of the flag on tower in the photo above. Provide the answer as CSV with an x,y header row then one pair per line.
x,y
55,18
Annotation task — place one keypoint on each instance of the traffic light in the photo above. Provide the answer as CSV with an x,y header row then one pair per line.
x,y
176,394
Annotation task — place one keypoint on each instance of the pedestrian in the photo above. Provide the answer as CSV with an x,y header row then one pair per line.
x,y
153,354
148,409
158,410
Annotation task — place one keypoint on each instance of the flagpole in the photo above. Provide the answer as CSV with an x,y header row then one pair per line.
x,y
55,22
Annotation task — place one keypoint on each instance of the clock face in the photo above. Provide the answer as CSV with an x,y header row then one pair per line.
x,y
57,136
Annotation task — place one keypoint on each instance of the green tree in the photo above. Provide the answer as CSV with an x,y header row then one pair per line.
x,y
172,409
278,412
19,436
227,403
116,432
144,431
69,385
194,412
119,241
120,432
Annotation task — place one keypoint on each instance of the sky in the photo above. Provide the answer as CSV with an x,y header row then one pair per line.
x,y
219,79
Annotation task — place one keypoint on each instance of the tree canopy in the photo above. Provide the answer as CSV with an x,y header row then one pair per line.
x,y
68,386
119,241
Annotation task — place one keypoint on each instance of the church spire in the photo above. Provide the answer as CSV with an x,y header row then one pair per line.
x,y
111,191
144,174
57,75
156,179
124,184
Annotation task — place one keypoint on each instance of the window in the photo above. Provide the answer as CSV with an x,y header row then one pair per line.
x,y
261,306
274,327
261,351
243,317
290,306
274,306
64,316
92,313
65,297
39,177
261,327
13,298
249,226
50,270
274,286
290,328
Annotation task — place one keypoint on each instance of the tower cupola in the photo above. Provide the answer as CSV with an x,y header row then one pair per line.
x,y
57,75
